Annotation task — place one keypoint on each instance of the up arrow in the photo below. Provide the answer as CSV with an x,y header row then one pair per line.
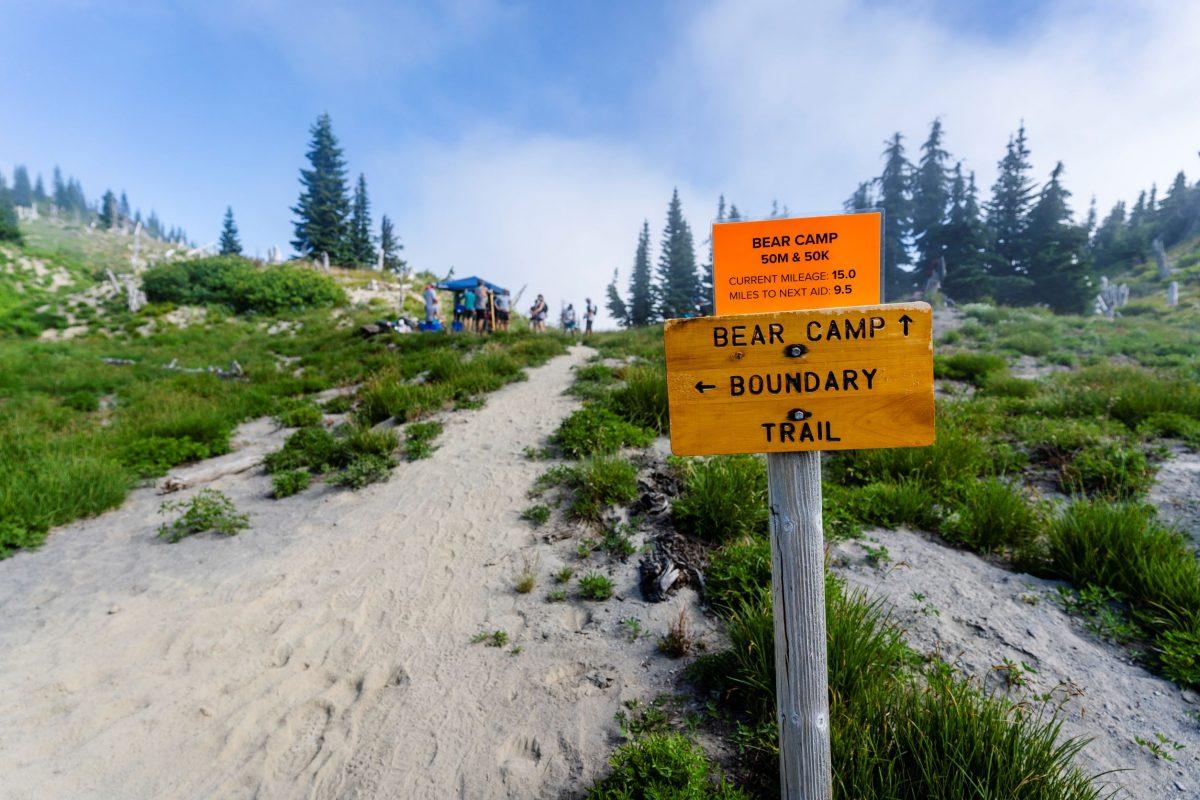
x,y
702,387
906,320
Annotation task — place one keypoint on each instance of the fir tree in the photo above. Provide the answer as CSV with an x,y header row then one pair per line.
x,y
896,202
230,244
678,284
323,208
9,230
1109,243
154,225
22,189
359,249
734,214
930,197
1058,264
641,292
109,213
861,200
705,301
59,187
390,247
966,242
616,306
123,206
1173,214
39,189
1007,217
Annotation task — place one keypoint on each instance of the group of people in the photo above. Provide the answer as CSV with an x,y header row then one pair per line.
x,y
482,310
476,308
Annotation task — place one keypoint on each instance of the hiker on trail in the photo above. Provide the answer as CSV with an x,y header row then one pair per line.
x,y
469,300
482,308
569,321
458,307
537,314
431,304
503,304
589,314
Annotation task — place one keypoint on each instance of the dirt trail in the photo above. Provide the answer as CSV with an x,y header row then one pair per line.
x,y
976,615
324,652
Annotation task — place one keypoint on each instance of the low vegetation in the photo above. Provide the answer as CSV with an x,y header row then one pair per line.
x,y
241,285
208,511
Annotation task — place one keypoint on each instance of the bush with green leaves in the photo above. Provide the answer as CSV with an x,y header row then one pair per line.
x,y
310,448
241,285
663,766
208,510
891,504
418,439
968,366
723,497
643,399
298,413
993,515
1109,469
363,470
594,483
290,482
595,429
152,456
595,586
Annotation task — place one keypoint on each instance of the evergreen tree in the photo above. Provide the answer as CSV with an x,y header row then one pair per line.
x,y
39,189
123,206
616,306
930,197
59,187
1173,214
359,249
230,244
705,301
861,200
22,189
896,201
322,210
678,284
154,225
966,242
109,213
641,292
1089,224
1109,245
1058,264
9,230
734,214
390,246
1007,217
76,200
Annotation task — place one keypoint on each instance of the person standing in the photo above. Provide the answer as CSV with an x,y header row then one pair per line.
x,y
589,314
503,306
431,304
469,300
537,314
481,307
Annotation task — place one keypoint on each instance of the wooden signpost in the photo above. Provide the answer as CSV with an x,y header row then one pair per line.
x,y
786,368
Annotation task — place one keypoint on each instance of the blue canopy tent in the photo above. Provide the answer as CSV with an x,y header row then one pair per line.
x,y
459,284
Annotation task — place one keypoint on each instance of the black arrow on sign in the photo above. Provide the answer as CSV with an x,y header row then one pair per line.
x,y
702,387
906,320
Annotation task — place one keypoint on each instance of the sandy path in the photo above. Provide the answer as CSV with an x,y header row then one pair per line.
x,y
324,652
975,615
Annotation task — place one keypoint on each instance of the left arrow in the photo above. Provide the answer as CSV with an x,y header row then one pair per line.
x,y
702,387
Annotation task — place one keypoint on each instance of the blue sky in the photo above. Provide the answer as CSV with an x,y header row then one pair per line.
x,y
527,141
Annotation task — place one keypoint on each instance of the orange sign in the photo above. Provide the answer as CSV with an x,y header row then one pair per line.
x,y
824,379
797,263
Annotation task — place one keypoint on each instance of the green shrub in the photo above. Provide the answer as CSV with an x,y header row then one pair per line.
x,y
538,514
1173,425
418,439
993,515
290,482
363,470
738,573
208,510
643,399
338,404
312,448
1030,343
663,766
600,482
298,413
1001,384
592,381
154,455
361,440
595,586
1126,393
595,429
1179,655
970,367
240,284
1108,469
903,502
723,497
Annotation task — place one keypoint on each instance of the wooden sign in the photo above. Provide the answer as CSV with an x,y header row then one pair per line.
x,y
796,263
828,379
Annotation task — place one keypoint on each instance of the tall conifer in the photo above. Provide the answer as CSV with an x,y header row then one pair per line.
x,y
390,247
110,214
896,201
1007,218
678,284
360,248
931,196
231,245
966,242
1058,264
322,212
641,291
617,308
22,189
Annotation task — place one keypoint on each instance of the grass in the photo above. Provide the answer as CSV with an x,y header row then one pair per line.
x,y
663,766
538,514
289,482
595,586
209,510
594,430
595,484
527,578
418,439
678,641
994,515
723,497
491,638
298,413
1111,469
642,400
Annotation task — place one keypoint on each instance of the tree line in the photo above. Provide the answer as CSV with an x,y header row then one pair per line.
x,y
66,197
331,220
1020,246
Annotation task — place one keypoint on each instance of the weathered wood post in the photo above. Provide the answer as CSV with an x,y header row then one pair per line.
x,y
798,593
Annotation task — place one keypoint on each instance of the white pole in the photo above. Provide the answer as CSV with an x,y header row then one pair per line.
x,y
798,594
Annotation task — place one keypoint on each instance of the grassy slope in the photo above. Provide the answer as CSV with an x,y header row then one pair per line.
x,y
77,433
